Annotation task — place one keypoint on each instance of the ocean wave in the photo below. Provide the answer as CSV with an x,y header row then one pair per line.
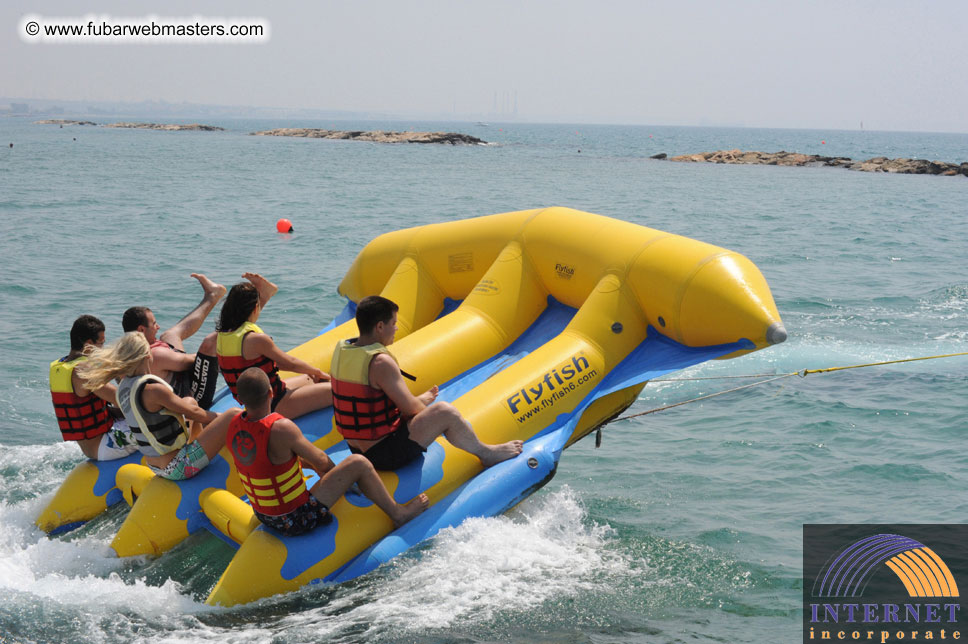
x,y
897,472
953,297
32,472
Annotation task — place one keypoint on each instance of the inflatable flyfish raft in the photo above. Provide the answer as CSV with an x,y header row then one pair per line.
x,y
538,325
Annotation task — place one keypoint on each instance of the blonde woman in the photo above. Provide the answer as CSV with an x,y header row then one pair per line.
x,y
155,414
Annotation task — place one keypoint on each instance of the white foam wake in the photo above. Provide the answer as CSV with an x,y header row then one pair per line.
x,y
544,550
43,580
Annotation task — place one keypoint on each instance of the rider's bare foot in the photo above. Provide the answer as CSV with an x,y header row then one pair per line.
x,y
265,288
213,291
406,512
502,452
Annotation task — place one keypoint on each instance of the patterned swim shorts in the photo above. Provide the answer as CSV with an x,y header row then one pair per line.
x,y
301,520
190,460
116,443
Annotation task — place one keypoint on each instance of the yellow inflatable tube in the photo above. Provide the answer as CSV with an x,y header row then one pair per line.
x,y
505,266
625,281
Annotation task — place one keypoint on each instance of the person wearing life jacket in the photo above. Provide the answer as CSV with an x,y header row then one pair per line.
x,y
242,344
87,416
375,411
270,452
189,374
155,413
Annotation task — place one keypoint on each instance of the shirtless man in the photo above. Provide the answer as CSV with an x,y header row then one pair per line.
x,y
375,411
190,374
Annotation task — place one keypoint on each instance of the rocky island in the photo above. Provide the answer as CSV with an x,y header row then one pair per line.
x,y
877,164
169,127
63,122
452,138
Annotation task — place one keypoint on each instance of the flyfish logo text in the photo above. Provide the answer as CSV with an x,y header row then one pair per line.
x,y
565,271
551,387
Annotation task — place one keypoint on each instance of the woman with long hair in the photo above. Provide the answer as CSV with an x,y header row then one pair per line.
x,y
242,344
155,414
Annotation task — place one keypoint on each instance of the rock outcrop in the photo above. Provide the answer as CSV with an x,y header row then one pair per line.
x,y
63,122
453,138
877,164
168,127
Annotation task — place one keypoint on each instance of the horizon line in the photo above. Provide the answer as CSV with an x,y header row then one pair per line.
x,y
418,115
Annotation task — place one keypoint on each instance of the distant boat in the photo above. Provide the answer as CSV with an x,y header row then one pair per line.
x,y
482,124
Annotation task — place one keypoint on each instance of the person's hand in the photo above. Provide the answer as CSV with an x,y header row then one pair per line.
x,y
318,375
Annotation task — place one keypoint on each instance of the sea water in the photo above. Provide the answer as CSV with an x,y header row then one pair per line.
x,y
684,526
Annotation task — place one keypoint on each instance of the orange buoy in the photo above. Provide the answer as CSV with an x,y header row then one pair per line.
x,y
284,226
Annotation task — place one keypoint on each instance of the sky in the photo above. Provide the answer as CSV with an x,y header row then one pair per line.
x,y
893,65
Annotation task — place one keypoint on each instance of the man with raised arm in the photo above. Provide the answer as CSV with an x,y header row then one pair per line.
x,y
190,374
375,411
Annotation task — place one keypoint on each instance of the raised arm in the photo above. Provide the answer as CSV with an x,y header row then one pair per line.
x,y
265,288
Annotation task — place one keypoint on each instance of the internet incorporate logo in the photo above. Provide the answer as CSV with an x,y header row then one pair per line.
x,y
909,591
922,572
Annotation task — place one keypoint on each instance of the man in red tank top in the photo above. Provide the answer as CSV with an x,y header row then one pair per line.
x,y
269,451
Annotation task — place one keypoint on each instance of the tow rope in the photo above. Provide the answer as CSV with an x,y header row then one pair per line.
x,y
767,377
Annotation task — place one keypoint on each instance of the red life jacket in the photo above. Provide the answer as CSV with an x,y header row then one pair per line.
x,y
272,489
232,364
78,417
360,411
